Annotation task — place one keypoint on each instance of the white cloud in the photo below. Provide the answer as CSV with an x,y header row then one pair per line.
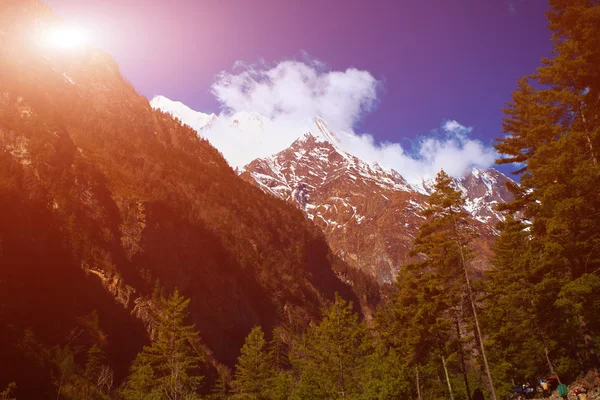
x,y
452,126
299,90
291,94
455,153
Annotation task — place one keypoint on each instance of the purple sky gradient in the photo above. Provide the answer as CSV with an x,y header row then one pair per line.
x,y
437,59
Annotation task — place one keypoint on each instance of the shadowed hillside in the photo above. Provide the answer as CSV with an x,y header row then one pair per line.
x,y
97,189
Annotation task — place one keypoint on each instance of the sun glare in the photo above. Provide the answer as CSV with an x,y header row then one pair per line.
x,y
67,38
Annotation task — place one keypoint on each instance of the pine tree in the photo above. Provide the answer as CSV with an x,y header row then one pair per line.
x,y
221,389
334,357
167,368
64,360
388,375
254,372
426,312
283,381
283,385
553,128
141,383
418,323
95,357
579,298
516,337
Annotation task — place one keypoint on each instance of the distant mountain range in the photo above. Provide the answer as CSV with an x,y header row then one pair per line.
x,y
369,213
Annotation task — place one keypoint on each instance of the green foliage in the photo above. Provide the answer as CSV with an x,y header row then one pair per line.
x,y
8,393
515,334
333,358
113,183
578,297
388,375
95,357
429,309
65,362
283,385
283,382
168,367
539,309
221,389
254,373
79,373
141,382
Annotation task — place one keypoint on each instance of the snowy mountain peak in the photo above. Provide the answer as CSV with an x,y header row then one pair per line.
x,y
314,161
309,140
369,213
194,119
324,131
483,190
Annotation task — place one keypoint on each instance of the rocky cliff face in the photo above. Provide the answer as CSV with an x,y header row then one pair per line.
x,y
369,214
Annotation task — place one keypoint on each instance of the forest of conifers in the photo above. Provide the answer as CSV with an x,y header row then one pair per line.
x,y
442,331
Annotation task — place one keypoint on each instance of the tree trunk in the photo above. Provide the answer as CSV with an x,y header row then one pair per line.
x,y
591,149
62,377
447,378
491,389
587,136
461,357
418,385
552,370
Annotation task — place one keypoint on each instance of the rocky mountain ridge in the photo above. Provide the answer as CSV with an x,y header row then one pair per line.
x,y
370,214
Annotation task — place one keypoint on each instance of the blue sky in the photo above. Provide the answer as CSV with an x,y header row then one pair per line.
x,y
434,60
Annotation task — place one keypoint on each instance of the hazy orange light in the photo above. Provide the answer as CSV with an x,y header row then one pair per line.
x,y
66,37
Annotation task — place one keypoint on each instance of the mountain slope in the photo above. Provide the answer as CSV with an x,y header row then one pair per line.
x,y
369,214
105,197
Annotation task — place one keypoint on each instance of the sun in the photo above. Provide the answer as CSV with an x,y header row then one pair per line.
x,y
66,37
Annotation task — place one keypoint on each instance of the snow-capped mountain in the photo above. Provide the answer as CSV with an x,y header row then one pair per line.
x,y
244,121
194,119
370,214
483,191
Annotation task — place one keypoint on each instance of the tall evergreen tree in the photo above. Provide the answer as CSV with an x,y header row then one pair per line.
x,y
516,337
388,375
221,389
254,373
427,307
419,322
167,369
333,359
141,383
553,128
95,357
64,359
283,382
